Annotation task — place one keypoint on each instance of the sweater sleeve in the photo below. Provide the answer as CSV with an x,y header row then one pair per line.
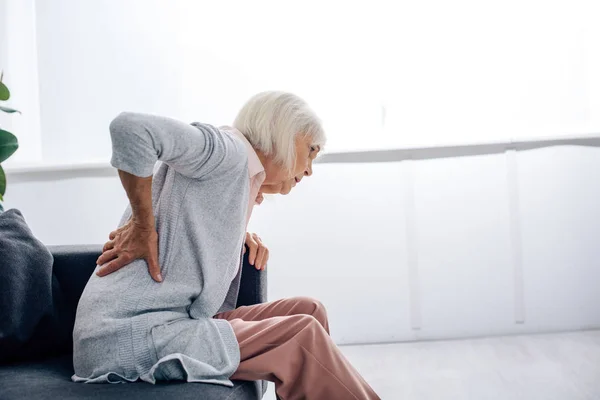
x,y
139,140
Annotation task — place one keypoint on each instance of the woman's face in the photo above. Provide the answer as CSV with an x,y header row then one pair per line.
x,y
281,181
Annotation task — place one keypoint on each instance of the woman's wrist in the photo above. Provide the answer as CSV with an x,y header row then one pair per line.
x,y
143,223
139,192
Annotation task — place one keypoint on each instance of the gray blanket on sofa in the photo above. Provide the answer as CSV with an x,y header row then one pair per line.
x,y
29,294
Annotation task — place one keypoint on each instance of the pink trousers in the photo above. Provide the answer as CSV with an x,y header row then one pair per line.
x,y
287,342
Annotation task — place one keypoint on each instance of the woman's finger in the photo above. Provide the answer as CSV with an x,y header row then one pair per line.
x,y
107,256
260,255
112,235
108,245
266,259
253,249
154,268
112,266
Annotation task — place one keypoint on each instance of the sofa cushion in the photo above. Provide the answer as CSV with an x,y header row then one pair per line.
x,y
50,379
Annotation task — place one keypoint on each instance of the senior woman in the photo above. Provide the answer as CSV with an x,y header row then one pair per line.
x,y
186,225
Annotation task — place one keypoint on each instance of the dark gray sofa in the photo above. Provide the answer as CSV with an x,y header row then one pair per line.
x,y
50,378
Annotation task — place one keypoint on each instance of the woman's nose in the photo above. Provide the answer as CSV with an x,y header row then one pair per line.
x,y
308,171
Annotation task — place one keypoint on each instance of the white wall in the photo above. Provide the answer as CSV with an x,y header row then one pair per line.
x,y
561,225
342,237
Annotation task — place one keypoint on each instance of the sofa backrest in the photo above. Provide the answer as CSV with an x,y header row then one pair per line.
x,y
73,266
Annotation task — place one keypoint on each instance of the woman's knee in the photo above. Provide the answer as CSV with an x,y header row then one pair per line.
x,y
310,305
313,307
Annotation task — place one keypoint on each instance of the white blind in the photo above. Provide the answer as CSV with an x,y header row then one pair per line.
x,y
381,74
326,52
475,71
18,60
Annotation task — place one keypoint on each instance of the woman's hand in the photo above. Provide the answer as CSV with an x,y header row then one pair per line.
x,y
258,253
128,243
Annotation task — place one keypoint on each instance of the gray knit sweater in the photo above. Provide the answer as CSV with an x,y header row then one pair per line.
x,y
130,327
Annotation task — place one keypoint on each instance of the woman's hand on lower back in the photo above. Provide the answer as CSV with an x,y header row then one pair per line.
x,y
128,243
258,254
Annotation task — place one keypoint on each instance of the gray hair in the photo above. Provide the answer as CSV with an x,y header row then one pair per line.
x,y
271,120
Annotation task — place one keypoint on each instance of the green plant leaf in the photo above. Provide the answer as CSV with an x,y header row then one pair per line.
x,y
9,110
4,92
8,144
2,183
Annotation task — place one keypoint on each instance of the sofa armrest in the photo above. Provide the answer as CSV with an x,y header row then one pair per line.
x,y
253,288
73,266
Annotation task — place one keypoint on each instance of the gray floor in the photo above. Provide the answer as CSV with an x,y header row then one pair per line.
x,y
562,366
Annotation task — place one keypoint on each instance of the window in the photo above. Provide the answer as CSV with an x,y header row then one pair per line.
x,y
381,74
473,71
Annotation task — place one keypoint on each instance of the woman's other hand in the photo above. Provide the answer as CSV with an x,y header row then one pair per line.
x,y
258,253
128,243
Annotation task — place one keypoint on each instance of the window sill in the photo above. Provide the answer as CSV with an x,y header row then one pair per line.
x,y
28,168
45,171
99,168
